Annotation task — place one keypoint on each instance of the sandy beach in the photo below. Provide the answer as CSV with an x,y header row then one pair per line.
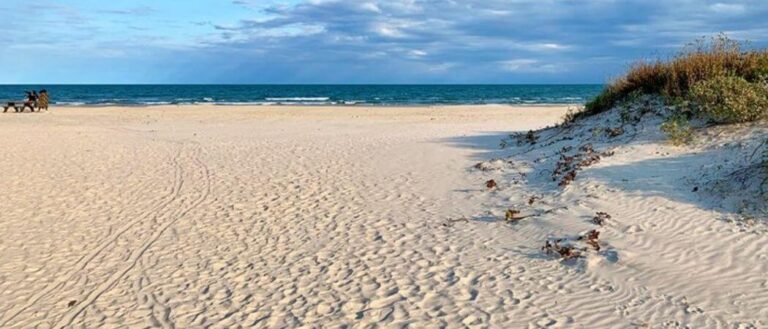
x,y
199,216
334,217
416,164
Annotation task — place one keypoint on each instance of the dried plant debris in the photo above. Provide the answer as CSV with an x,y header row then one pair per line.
x,y
591,239
491,184
512,215
573,248
562,248
529,138
493,165
484,166
568,165
568,178
601,218
614,132
451,221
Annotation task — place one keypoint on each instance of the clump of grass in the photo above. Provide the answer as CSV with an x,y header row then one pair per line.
x,y
570,117
712,73
731,99
529,138
678,130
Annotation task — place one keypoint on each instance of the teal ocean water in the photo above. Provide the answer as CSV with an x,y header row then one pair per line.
x,y
308,94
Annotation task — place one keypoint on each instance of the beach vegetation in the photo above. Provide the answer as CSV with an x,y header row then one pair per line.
x,y
678,129
570,117
529,138
626,114
717,79
730,99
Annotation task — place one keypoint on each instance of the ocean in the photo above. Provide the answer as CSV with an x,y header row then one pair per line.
x,y
382,95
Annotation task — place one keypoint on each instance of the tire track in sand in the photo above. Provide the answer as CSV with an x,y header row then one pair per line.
x,y
136,254
85,260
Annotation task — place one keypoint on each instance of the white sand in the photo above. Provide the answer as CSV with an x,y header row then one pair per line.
x,y
278,217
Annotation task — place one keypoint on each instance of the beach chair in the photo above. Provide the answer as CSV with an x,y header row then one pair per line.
x,y
13,105
19,106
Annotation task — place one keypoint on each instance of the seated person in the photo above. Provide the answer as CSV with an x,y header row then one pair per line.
x,y
42,101
31,101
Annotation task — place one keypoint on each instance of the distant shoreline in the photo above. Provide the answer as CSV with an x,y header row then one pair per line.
x,y
544,105
310,95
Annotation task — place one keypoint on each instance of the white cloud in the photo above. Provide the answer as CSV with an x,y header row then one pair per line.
x,y
441,67
727,8
545,47
370,6
528,65
417,53
389,31
463,40
395,28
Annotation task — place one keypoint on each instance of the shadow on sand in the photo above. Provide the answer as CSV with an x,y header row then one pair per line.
x,y
679,178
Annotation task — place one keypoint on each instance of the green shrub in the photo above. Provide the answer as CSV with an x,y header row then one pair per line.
x,y
730,99
570,117
678,130
701,60
602,102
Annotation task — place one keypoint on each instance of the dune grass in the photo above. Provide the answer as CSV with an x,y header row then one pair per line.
x,y
715,77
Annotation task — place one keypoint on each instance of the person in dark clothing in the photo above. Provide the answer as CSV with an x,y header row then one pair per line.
x,y
31,101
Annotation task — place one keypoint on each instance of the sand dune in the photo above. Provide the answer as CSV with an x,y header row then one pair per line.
x,y
283,217
676,251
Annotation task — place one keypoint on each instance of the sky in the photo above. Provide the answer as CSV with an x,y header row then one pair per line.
x,y
355,41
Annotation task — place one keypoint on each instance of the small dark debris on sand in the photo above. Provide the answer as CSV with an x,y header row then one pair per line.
x,y
601,218
491,184
512,215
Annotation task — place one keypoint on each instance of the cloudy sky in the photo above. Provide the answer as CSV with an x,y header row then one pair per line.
x,y
354,41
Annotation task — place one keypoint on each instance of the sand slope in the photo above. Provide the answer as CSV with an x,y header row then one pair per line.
x,y
679,251
191,217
